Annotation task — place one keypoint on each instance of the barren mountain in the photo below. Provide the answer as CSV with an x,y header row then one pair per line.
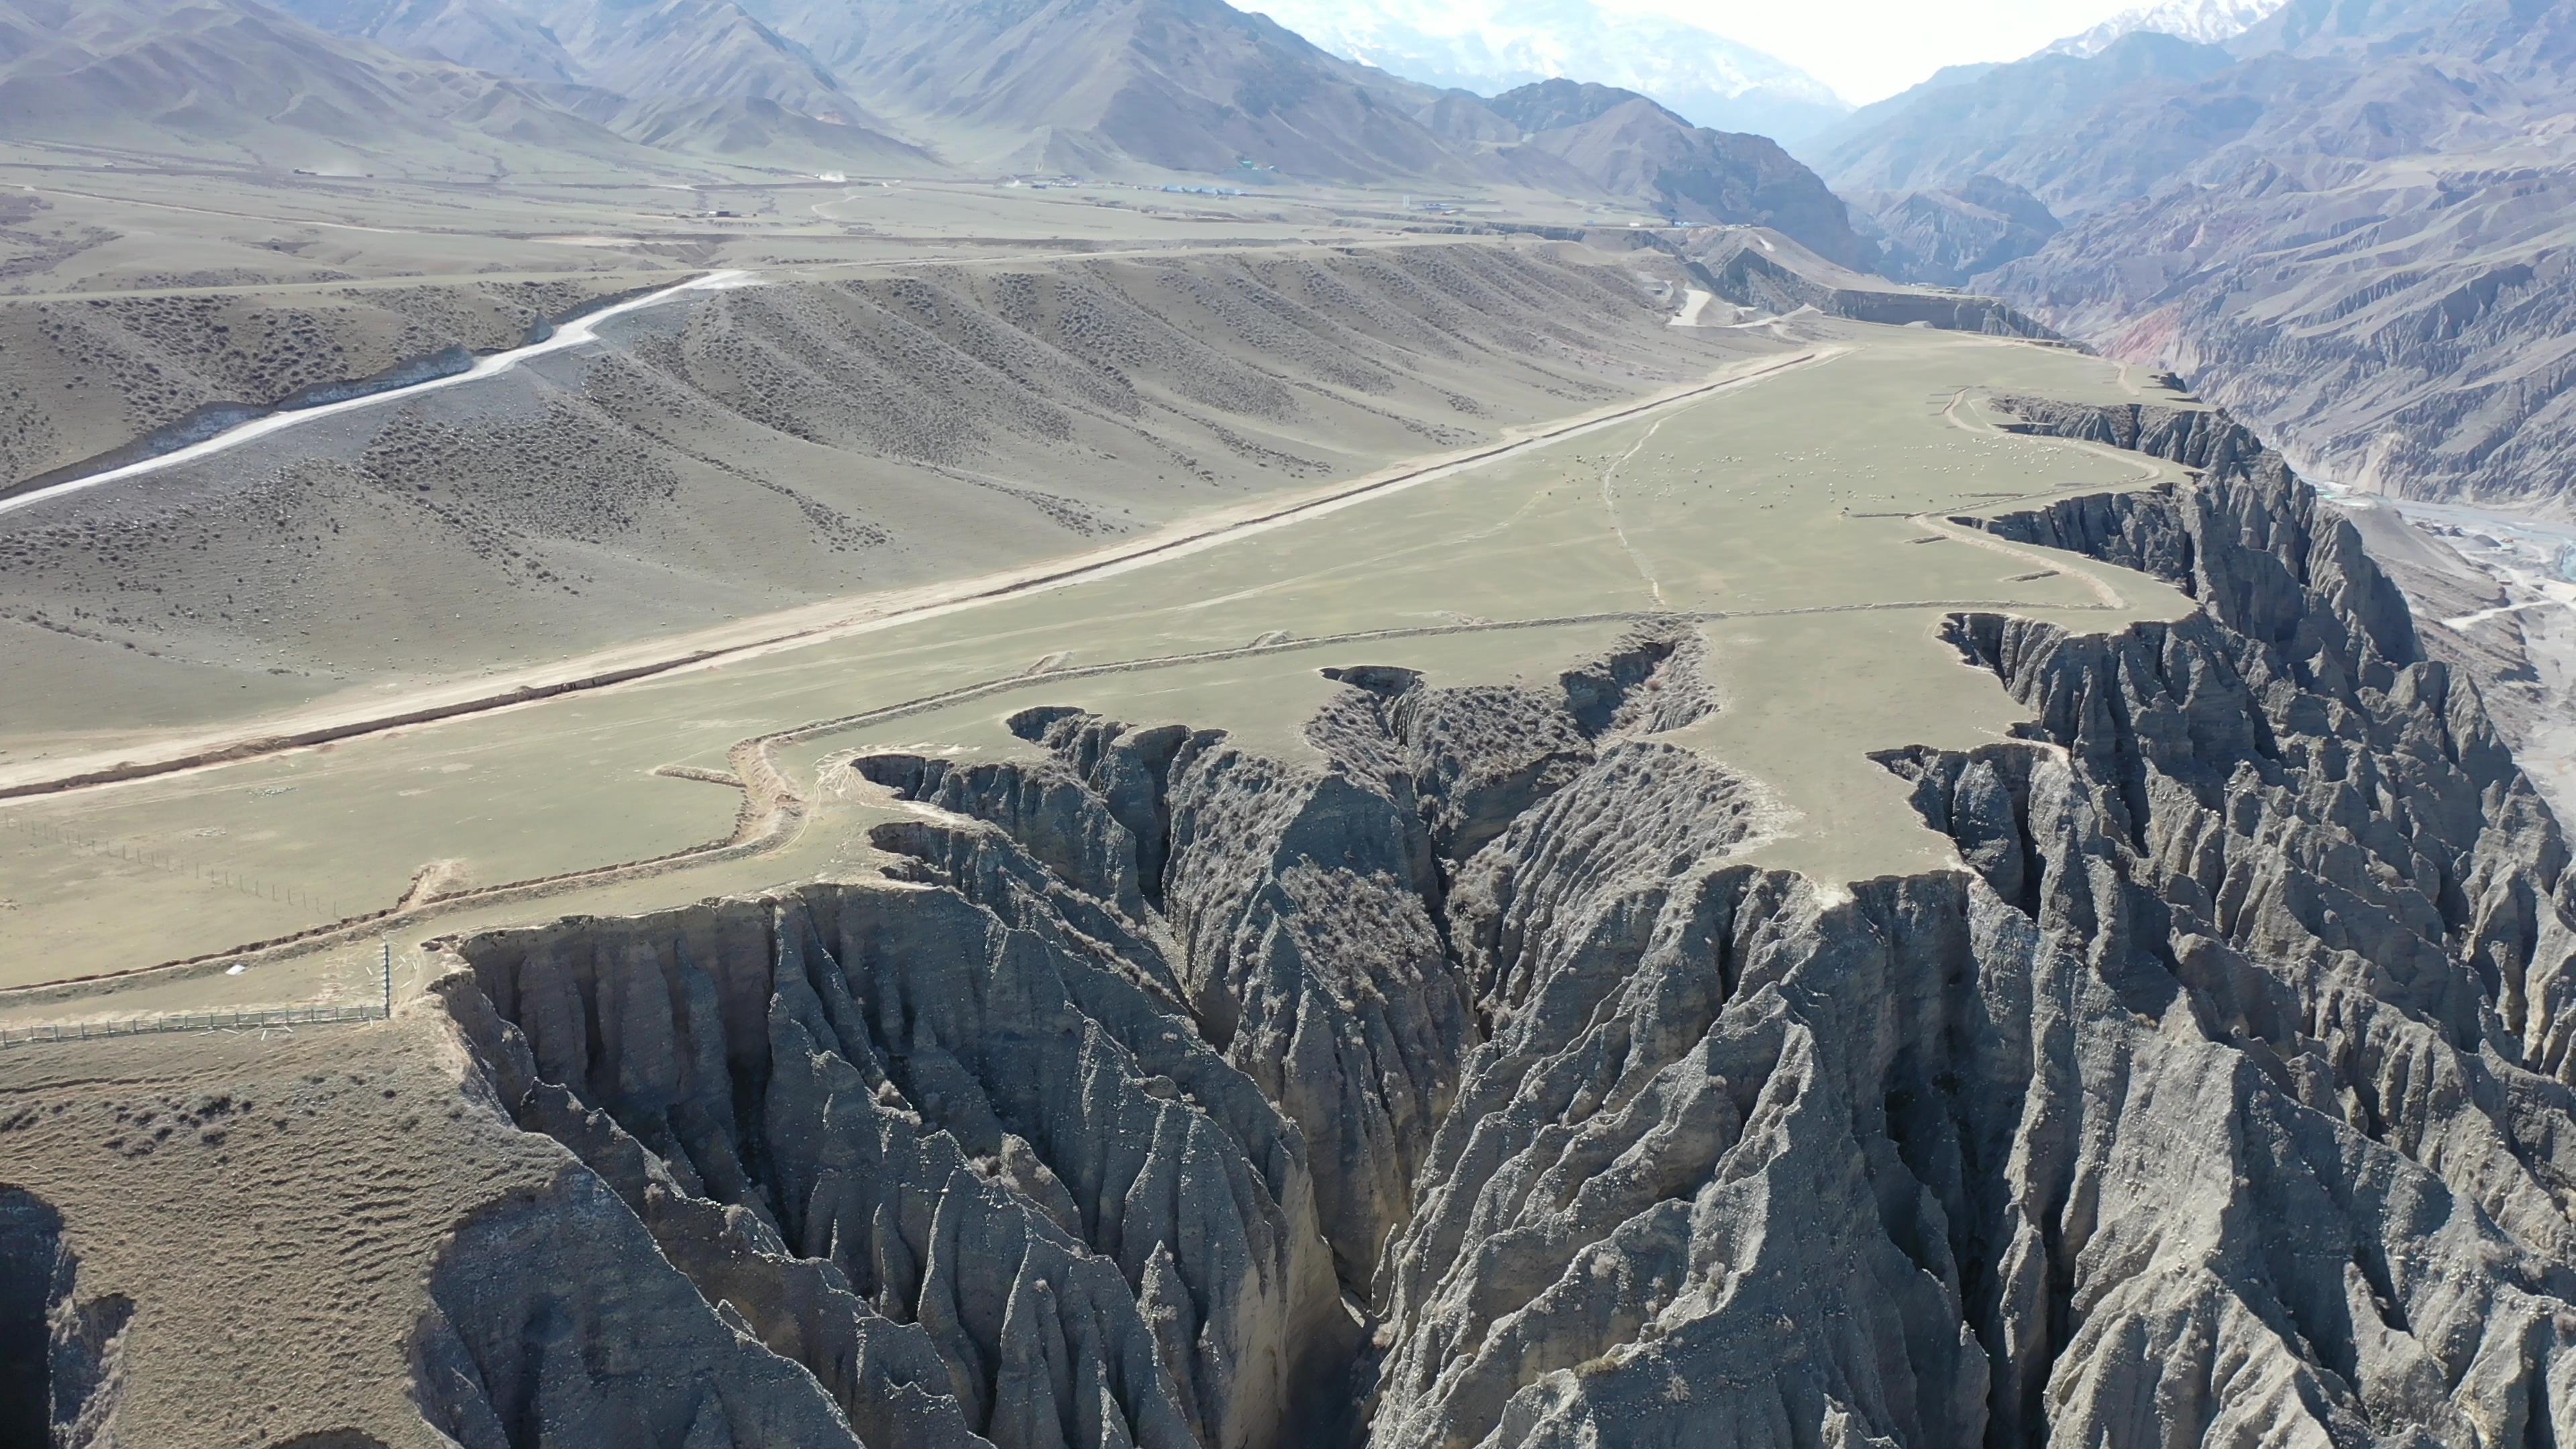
x,y
2210,22
497,39
1088,85
233,80
698,50
2075,130
2349,225
1635,150
1945,237
1100,87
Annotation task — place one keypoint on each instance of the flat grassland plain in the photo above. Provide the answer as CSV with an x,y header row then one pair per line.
x,y
1790,504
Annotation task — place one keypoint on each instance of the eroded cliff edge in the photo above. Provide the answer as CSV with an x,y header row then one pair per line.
x,y
1462,1083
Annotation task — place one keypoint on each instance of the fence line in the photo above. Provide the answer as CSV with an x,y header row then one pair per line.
x,y
176,864
45,1033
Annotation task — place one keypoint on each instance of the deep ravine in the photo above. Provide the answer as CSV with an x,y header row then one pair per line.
x,y
1469,1088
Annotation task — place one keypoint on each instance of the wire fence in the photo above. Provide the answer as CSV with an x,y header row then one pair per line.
x,y
218,874
265,1019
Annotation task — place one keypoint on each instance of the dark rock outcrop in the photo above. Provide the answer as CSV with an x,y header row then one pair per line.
x,y
2227,1089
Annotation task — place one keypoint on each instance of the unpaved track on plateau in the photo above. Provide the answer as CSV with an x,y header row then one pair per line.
x,y
2110,597
815,624
774,811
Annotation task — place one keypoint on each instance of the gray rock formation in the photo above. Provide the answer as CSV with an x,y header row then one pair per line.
x,y
2226,1097
960,1171
59,1360
1463,1085
556,1323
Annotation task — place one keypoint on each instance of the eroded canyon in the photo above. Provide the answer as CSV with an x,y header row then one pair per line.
x,y
1464,1075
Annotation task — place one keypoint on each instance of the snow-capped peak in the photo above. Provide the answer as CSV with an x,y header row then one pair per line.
x,y
1490,46
2206,21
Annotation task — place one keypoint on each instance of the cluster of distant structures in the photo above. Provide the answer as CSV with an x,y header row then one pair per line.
x,y
1068,183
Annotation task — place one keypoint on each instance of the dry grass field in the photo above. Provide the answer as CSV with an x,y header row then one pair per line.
x,y
1794,516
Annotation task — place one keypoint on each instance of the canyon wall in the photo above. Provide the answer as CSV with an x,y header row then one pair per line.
x,y
1464,1080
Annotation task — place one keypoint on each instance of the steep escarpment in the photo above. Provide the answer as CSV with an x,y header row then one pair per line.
x,y
553,1323
959,1172
1068,1137
1466,1080
59,1360
2248,549
2226,1090
1303,908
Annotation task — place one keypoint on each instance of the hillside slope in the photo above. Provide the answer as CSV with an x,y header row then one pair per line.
x,y
1632,149
235,81
2352,230
749,450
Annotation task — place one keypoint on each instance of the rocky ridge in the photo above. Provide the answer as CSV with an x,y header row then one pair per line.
x,y
1943,237
1465,1083
1773,274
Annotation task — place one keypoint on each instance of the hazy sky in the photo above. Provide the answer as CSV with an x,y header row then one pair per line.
x,y
1870,49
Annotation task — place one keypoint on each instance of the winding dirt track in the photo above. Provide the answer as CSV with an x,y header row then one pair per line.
x,y
577,332
428,706
774,811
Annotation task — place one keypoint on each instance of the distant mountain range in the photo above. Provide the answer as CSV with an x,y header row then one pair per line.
x,y
2209,22
2077,131
1101,88
1490,46
2352,222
